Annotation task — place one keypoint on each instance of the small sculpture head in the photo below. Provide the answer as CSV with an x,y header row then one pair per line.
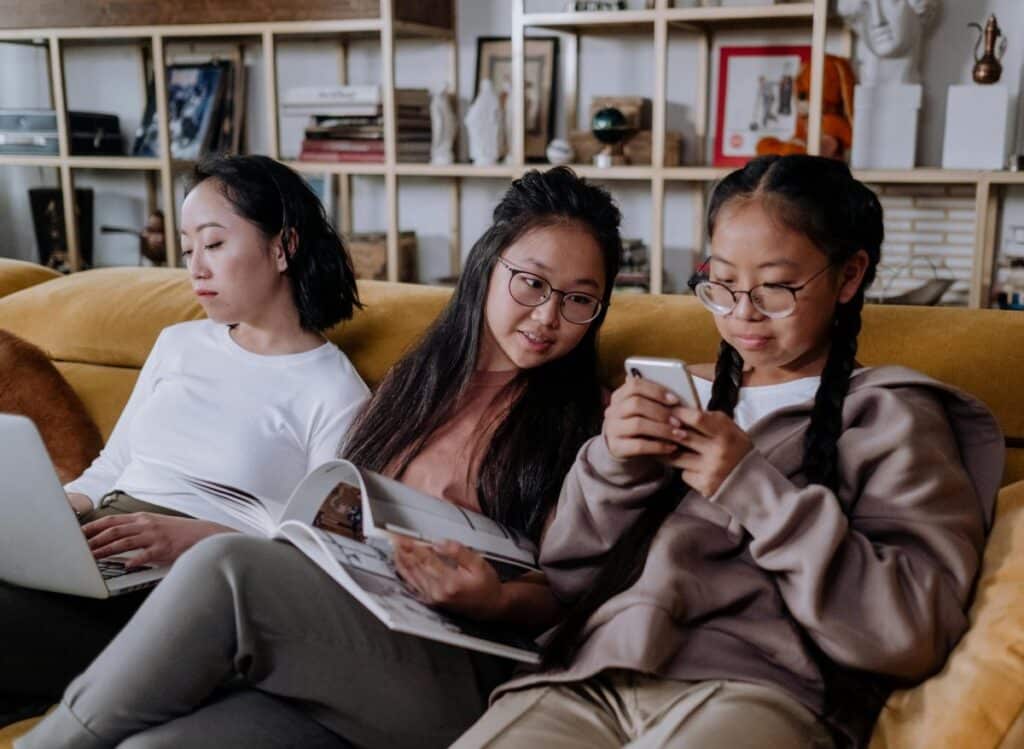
x,y
890,28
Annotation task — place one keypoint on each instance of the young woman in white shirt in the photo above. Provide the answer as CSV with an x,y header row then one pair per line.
x,y
252,397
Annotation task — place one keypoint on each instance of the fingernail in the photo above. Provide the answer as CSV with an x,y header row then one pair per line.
x,y
674,421
671,397
679,433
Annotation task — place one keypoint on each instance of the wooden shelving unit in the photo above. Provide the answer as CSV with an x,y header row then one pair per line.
x,y
389,28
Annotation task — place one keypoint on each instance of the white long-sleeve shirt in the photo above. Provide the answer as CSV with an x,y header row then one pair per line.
x,y
204,407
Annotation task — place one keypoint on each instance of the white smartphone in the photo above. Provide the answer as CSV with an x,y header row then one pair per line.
x,y
670,373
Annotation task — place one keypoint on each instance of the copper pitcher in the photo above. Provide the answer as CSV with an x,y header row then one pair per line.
x,y
987,67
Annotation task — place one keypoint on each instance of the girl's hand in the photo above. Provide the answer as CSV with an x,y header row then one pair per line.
x,y
449,576
639,421
161,538
713,447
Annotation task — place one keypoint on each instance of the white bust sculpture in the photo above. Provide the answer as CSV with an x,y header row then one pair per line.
x,y
442,127
485,122
893,33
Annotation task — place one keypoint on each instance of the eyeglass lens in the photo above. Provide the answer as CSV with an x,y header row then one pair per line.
x,y
769,300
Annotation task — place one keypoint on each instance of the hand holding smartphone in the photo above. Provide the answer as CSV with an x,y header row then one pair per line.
x,y
671,374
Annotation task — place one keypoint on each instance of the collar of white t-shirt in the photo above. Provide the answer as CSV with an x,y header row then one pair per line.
x,y
758,401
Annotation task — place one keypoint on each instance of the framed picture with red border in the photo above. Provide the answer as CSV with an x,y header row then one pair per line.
x,y
756,98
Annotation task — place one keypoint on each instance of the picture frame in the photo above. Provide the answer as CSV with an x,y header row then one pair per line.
x,y
194,111
755,98
47,204
540,65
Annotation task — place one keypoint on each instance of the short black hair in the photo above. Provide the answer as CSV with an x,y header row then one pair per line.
x,y
279,201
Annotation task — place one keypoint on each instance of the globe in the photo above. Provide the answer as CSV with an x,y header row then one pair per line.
x,y
610,125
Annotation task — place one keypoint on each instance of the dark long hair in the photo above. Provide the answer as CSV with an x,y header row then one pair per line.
x,y
820,199
557,406
278,201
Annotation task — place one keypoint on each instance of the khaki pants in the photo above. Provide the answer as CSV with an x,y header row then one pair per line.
x,y
624,708
119,503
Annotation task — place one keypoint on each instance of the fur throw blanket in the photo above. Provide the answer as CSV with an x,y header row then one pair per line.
x,y
31,386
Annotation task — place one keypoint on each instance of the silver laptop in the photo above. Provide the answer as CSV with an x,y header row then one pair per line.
x,y
41,543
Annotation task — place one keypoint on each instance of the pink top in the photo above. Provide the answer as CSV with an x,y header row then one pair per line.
x,y
449,463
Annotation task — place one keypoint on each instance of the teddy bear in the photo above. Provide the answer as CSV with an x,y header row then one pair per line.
x,y
836,117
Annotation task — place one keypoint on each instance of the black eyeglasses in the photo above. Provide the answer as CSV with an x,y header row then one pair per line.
x,y
531,290
774,300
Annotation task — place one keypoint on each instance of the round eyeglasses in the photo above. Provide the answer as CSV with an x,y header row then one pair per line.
x,y
531,290
773,300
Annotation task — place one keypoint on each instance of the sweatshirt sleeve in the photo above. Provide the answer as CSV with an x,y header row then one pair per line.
x,y
601,498
883,586
102,475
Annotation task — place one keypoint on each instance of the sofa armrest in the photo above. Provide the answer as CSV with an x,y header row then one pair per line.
x,y
977,700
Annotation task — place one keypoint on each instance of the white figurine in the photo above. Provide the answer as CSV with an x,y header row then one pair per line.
x,y
559,151
893,33
485,122
442,127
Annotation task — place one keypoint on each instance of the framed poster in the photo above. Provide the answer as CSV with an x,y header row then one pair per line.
x,y
755,98
194,94
540,60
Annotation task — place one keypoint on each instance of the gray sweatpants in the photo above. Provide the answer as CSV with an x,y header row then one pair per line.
x,y
255,612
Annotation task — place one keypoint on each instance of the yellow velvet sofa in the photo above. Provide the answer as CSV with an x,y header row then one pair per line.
x,y
98,327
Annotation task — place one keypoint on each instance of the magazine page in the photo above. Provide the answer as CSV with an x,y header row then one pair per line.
x,y
393,507
247,507
336,484
366,572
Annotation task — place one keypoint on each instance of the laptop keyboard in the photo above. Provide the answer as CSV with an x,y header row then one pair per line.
x,y
114,568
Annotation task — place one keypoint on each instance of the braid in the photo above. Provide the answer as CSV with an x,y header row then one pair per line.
x,y
821,453
725,391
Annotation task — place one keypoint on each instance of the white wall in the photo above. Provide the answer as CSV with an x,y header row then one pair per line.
x,y
108,78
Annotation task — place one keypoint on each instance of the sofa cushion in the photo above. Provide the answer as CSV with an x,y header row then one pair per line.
x,y
977,700
13,731
32,387
108,316
18,274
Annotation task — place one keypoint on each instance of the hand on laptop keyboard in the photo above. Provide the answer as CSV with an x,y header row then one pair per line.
x,y
111,568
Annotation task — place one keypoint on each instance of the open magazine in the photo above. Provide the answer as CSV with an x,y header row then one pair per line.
x,y
341,517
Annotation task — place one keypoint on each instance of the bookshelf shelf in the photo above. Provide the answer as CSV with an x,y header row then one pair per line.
x,y
114,162
13,160
316,167
500,171
609,21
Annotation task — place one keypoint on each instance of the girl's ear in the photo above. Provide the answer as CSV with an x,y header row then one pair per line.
x,y
283,247
853,275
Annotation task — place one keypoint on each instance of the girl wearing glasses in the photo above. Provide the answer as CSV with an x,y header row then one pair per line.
x,y
761,573
248,643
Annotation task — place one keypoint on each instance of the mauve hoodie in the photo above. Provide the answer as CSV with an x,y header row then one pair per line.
x,y
780,582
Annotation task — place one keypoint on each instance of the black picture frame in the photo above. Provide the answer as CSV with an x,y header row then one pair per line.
x,y
494,61
47,205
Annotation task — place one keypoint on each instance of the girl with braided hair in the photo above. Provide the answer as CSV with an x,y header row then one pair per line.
x,y
762,572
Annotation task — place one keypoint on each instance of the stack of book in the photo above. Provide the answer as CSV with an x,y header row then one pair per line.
x,y
346,123
634,270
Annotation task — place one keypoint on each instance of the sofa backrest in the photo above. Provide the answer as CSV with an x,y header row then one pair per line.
x,y
98,326
16,275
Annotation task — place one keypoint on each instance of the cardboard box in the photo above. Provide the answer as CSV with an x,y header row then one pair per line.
x,y
637,148
369,253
